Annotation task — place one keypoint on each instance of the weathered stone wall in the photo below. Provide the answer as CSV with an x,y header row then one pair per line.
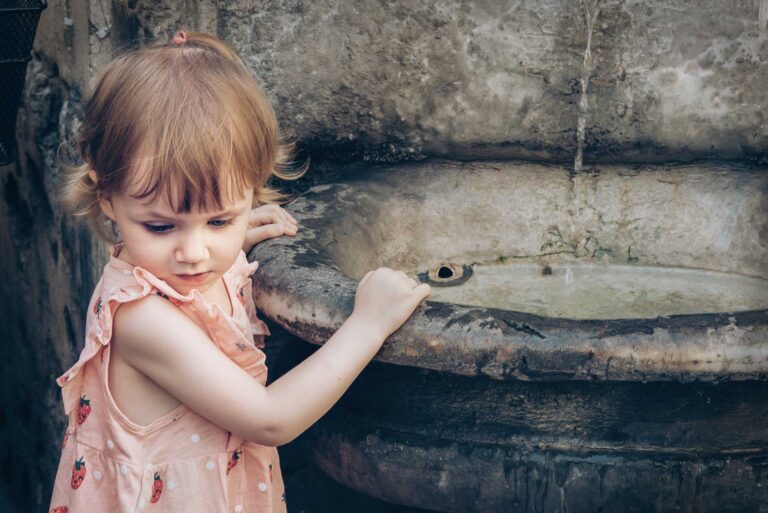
x,y
670,80
48,264
373,81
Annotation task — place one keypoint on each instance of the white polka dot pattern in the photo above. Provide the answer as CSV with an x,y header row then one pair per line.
x,y
149,483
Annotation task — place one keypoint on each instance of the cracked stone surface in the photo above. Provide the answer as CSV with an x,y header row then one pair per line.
x,y
414,217
672,80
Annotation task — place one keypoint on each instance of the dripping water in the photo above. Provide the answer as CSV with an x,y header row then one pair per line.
x,y
590,14
591,11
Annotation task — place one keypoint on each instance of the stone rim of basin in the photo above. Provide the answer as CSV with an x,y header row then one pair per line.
x,y
295,272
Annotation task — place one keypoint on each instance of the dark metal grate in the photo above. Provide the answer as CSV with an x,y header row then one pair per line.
x,y
18,22
11,85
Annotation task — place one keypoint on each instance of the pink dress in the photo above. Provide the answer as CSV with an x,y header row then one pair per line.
x,y
181,462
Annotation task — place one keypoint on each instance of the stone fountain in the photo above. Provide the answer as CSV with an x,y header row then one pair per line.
x,y
623,143
597,336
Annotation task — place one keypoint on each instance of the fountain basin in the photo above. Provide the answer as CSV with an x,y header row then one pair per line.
x,y
628,353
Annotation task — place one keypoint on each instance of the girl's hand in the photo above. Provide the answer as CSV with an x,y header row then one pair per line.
x,y
266,222
385,299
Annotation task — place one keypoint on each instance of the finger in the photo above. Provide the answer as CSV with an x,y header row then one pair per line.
x,y
289,229
270,214
366,276
261,233
413,283
265,219
261,216
418,294
422,291
287,215
287,218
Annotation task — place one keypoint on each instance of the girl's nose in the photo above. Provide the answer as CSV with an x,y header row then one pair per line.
x,y
192,249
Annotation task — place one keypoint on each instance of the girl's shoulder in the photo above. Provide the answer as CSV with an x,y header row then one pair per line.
x,y
121,282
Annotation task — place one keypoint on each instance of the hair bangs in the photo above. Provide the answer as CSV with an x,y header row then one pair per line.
x,y
193,164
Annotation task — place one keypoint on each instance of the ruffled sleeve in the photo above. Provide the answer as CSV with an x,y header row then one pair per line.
x,y
116,286
123,282
240,275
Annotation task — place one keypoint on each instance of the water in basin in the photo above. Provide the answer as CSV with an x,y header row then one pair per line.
x,y
595,291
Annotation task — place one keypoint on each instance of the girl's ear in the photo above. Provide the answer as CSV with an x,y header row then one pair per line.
x,y
104,203
106,207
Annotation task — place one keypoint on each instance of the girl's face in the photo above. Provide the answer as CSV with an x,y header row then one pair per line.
x,y
188,250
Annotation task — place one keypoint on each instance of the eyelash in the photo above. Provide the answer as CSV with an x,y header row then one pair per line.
x,y
160,229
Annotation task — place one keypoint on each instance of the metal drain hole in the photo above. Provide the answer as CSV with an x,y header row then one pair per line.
x,y
446,274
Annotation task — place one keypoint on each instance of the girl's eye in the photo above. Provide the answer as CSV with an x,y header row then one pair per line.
x,y
163,228
158,228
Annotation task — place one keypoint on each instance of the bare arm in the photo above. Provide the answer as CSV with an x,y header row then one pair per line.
x,y
165,345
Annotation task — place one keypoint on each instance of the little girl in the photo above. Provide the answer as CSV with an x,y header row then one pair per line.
x,y
167,405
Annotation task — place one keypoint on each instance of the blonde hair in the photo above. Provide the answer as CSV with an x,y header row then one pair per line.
x,y
191,117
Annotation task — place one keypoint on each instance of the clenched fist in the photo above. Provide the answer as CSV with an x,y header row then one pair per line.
x,y
385,298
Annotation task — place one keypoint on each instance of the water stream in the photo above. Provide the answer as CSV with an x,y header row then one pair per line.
x,y
591,14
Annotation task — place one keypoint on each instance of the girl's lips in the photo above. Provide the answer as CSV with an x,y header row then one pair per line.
x,y
194,278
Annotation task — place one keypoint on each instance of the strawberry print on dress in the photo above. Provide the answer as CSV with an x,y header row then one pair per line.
x,y
180,461
157,488
84,410
78,474
233,460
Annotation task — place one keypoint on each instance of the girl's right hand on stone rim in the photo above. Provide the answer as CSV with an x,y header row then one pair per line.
x,y
385,298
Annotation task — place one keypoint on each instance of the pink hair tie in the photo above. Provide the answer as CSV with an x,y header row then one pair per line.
x,y
180,37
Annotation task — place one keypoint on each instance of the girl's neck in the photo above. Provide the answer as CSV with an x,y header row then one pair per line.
x,y
118,253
